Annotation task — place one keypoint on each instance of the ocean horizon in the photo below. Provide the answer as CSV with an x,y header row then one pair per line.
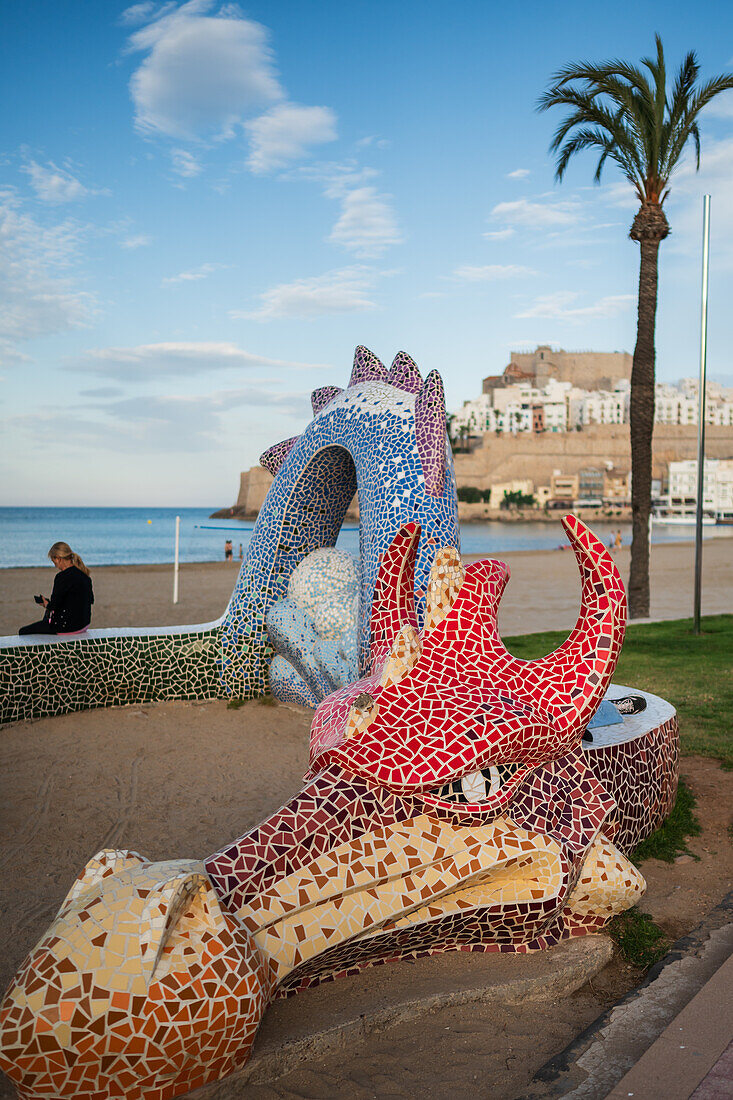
x,y
146,536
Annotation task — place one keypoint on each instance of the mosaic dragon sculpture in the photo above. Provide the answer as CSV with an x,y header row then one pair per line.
x,y
383,435
449,804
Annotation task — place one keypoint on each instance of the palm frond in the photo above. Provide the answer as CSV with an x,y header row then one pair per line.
x,y
626,112
684,83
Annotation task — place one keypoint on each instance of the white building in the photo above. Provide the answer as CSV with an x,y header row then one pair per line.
x,y
717,489
606,407
560,407
679,404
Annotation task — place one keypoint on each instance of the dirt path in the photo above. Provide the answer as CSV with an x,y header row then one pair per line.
x,y
180,779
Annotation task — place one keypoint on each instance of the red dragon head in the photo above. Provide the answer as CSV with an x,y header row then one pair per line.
x,y
450,710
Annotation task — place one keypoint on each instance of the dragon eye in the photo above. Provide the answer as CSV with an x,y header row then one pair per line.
x,y
477,786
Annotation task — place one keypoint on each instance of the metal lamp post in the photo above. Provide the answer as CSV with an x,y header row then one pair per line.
x,y
701,409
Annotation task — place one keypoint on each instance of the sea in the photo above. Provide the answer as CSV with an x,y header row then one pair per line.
x,y
132,536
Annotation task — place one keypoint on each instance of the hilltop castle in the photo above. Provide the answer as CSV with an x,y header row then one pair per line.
x,y
588,370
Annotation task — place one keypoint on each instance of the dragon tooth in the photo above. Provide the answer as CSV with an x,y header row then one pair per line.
x,y
444,583
273,458
404,655
324,396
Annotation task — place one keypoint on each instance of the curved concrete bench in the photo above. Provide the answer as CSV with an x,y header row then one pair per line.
x,y
46,674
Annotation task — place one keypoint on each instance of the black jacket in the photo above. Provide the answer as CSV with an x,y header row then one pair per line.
x,y
70,606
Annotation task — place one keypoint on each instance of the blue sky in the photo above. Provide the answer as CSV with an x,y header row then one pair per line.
x,y
204,208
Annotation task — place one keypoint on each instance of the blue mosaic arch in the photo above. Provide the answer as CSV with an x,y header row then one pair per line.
x,y
378,438
384,436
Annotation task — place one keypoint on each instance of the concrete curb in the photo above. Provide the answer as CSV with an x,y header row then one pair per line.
x,y
592,1065
332,1017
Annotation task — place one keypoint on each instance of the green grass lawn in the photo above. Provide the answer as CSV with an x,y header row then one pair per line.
x,y
695,673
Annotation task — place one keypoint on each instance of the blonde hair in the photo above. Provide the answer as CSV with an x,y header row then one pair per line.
x,y
63,550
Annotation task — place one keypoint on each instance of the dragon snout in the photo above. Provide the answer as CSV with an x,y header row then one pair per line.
x,y
142,986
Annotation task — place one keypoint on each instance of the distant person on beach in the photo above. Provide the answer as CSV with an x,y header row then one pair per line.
x,y
70,606
241,554
228,550
619,541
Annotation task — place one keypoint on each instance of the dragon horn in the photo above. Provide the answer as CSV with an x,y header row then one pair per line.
x,y
273,458
404,373
570,682
430,432
393,605
324,396
367,368
582,668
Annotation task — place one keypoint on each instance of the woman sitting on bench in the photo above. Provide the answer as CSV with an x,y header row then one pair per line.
x,y
70,608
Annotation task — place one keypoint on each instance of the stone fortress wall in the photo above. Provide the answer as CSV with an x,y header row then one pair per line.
x,y
526,455
589,370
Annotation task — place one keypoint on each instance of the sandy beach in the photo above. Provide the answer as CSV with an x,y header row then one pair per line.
x,y
543,593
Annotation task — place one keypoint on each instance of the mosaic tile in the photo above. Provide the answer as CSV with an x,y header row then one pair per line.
x,y
314,632
450,804
383,436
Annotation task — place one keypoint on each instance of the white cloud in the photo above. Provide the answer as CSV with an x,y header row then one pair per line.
x,y
176,359
55,185
498,234
490,272
184,163
285,132
204,72
198,273
518,174
559,306
374,141
338,177
684,205
367,224
344,291
208,73
139,240
174,423
138,13
37,295
531,214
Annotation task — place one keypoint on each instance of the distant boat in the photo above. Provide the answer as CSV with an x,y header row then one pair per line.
x,y
684,520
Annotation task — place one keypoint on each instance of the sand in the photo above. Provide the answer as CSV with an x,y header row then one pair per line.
x,y
543,593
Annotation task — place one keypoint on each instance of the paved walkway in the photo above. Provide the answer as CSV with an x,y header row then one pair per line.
x,y
670,1039
693,1057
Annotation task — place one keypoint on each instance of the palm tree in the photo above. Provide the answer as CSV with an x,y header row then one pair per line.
x,y
628,114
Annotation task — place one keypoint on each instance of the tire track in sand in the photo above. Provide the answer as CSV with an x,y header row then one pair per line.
x,y
126,799
36,818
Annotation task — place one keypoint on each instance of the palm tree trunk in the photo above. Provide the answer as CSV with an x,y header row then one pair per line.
x,y
641,418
